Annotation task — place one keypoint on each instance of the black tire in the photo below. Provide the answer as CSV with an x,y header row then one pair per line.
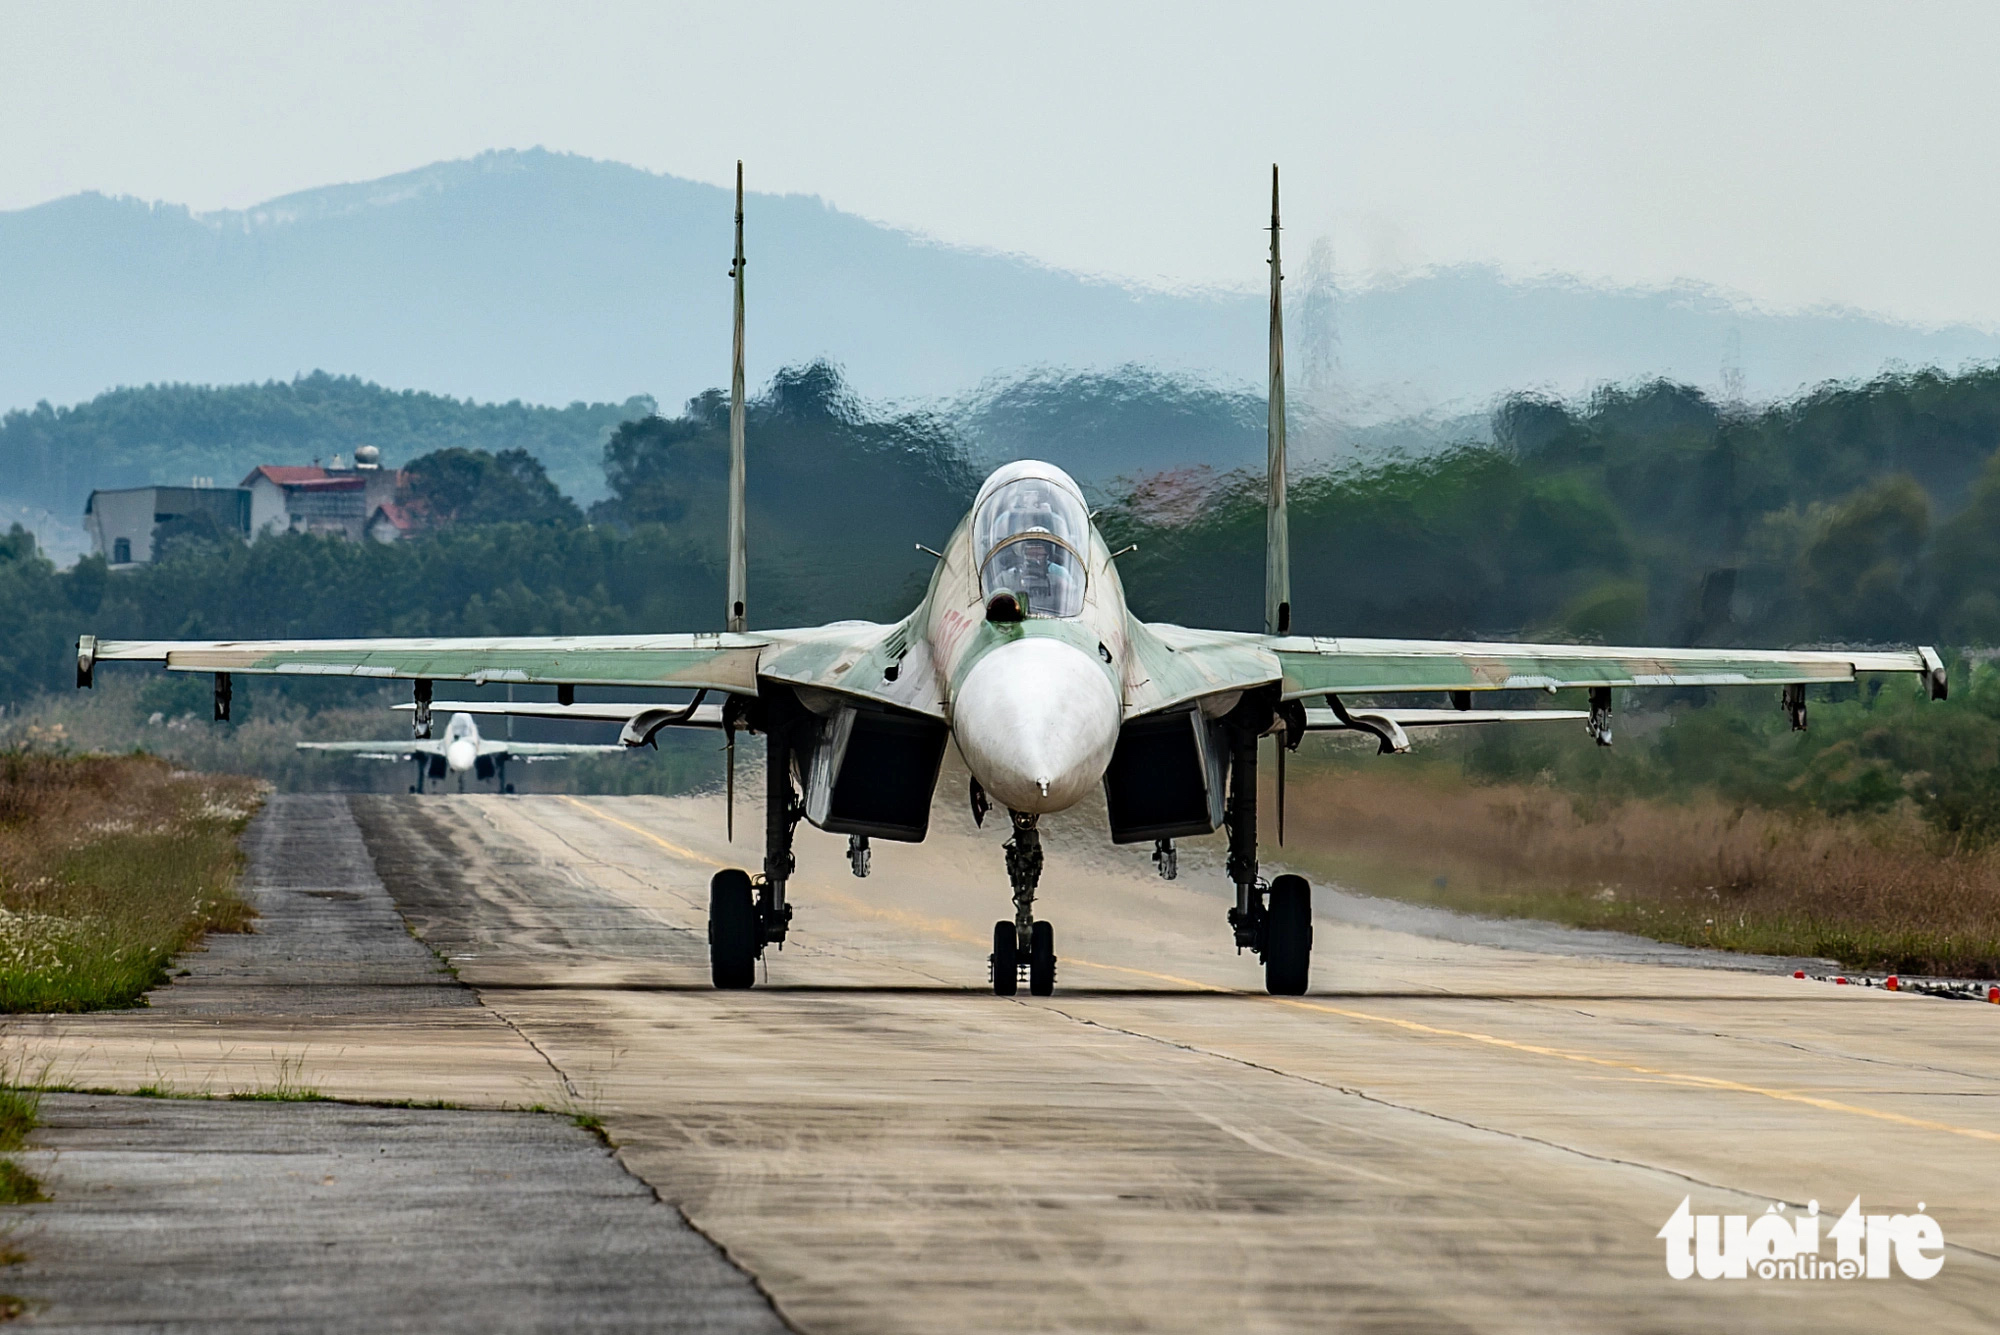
x,y
1288,940
1042,961
1006,960
732,929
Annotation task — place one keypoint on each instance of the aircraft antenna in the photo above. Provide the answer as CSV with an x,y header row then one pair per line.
x,y
739,558
1277,536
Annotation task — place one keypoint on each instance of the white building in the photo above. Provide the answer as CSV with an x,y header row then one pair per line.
x,y
313,499
121,523
353,503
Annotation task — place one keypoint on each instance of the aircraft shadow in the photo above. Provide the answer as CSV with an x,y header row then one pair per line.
x,y
1112,993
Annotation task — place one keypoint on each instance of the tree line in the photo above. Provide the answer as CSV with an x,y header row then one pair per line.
x,y
53,457
1852,514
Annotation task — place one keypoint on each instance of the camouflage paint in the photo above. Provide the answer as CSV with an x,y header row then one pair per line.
x,y
915,663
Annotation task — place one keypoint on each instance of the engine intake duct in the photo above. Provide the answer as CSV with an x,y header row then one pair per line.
x,y
871,772
1165,779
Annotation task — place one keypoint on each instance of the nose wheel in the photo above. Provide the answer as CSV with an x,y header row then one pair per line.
x,y
1005,959
1010,963
1042,961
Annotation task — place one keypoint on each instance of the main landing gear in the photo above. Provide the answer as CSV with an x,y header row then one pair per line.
x,y
1274,920
744,915
1024,945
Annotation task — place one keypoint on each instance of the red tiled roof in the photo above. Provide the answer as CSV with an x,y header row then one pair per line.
x,y
306,478
285,475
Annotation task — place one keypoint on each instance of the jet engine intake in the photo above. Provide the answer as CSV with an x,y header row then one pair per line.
x,y
870,772
1165,780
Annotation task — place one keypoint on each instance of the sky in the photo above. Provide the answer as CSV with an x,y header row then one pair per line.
x,y
1799,155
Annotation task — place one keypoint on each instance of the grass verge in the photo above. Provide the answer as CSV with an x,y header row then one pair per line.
x,y
20,1107
109,865
1877,893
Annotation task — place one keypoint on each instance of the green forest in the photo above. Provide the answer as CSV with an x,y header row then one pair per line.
x,y
1853,514
54,457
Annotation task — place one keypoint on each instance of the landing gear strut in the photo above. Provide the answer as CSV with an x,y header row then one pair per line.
x,y
744,915
1024,940
1274,920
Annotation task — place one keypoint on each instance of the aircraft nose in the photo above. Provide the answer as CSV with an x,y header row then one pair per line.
x,y
1036,720
460,755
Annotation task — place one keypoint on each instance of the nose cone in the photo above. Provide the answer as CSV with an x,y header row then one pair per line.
x,y
460,755
1036,720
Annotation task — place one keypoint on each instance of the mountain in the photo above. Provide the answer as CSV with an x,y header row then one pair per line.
x,y
548,278
1460,337
555,279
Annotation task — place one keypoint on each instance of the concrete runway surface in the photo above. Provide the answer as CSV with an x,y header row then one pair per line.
x,y
204,1215
1442,1136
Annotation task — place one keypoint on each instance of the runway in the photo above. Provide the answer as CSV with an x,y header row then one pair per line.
x,y
1442,1136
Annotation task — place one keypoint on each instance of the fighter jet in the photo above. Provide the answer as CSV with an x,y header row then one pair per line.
x,y
460,751
1024,655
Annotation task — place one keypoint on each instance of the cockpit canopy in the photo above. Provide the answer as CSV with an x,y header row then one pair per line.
x,y
1032,534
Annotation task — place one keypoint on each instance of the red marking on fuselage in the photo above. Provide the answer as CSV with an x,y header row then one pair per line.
x,y
953,628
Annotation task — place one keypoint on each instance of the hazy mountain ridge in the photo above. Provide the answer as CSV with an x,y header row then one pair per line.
x,y
554,279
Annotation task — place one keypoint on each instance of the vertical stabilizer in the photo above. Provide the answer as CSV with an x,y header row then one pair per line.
x,y
1277,536
739,553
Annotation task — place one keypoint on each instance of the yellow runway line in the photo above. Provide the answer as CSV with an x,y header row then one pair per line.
x,y
1672,1077
645,833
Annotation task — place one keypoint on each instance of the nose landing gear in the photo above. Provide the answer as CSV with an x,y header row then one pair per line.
x,y
1024,941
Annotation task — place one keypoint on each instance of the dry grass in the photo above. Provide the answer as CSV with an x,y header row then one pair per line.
x,y
109,865
1880,893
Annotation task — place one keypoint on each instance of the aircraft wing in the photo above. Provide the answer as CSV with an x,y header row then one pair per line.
x,y
859,658
1318,666
542,750
718,661
1183,664
378,750
583,711
641,719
